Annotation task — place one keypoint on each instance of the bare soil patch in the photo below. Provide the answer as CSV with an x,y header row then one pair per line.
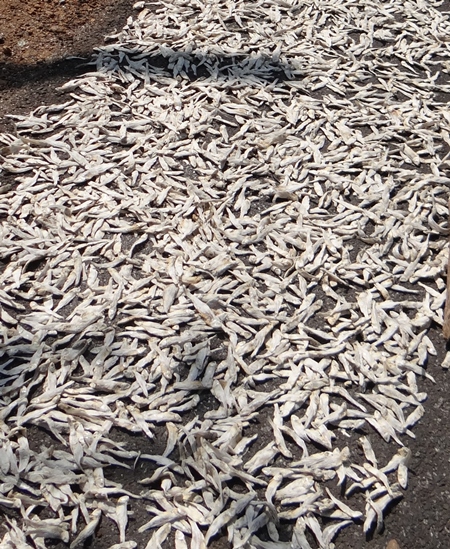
x,y
38,40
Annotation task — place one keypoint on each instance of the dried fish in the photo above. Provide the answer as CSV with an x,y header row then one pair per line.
x,y
88,530
219,236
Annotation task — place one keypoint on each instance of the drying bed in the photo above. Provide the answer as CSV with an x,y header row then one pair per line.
x,y
222,259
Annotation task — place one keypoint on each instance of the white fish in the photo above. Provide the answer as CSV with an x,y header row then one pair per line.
x,y
180,540
47,529
122,516
262,458
200,238
368,450
162,519
159,537
198,540
88,531
375,508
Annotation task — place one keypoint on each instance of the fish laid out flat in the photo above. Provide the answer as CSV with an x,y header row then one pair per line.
x,y
231,241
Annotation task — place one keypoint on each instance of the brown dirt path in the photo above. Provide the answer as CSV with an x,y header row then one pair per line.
x,y
37,37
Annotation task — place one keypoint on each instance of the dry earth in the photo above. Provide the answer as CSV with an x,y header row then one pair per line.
x,y
36,38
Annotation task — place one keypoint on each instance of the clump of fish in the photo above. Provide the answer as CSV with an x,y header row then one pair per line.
x,y
233,231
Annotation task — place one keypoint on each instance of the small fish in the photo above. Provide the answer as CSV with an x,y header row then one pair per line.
x,y
262,458
368,450
122,516
88,531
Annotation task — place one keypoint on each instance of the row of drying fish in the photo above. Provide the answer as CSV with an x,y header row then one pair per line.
x,y
230,239
179,508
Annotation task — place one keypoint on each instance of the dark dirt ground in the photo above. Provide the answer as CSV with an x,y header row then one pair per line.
x,y
36,38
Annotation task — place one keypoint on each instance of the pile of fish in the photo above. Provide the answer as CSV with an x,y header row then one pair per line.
x,y
231,240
